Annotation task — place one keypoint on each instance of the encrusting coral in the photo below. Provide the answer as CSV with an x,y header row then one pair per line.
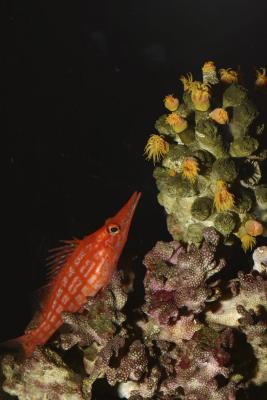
x,y
223,139
201,331
177,277
98,332
181,343
42,376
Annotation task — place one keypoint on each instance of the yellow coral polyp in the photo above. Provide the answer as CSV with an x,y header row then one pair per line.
x,y
171,103
190,169
223,199
156,148
228,75
247,233
187,81
248,242
253,227
219,115
178,123
209,66
200,95
261,78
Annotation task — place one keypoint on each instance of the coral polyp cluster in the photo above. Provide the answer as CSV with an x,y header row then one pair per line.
x,y
219,115
261,77
228,75
177,123
248,233
209,73
156,148
216,161
223,199
171,103
200,96
190,169
187,81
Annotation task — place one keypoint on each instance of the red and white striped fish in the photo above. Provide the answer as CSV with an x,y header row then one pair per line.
x,y
81,268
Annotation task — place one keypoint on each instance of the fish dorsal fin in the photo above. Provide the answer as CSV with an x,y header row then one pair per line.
x,y
59,256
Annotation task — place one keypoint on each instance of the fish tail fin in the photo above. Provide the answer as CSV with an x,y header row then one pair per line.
x,y
22,344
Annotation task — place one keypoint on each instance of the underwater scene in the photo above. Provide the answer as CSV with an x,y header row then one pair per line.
x,y
135,217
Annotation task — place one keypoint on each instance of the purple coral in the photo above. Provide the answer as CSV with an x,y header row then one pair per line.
x,y
179,346
177,277
188,370
132,366
200,362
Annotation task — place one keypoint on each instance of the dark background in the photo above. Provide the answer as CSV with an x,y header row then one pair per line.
x,y
82,84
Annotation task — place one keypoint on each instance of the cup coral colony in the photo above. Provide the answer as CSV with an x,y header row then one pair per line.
x,y
213,158
201,331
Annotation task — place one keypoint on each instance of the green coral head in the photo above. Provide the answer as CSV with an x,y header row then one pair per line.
x,y
261,196
202,207
244,146
226,222
224,169
209,138
234,95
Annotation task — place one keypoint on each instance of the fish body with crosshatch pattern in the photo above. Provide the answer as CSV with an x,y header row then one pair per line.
x,y
81,268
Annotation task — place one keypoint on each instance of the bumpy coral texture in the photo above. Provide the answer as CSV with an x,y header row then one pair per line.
x,y
98,332
248,291
42,376
191,357
188,370
201,332
178,283
177,277
226,140
181,345
99,320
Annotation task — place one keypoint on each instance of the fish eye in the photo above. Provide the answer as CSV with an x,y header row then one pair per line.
x,y
113,229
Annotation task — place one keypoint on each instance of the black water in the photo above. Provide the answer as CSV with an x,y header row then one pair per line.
x,y
82,85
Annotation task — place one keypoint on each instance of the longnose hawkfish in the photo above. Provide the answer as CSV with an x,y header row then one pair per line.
x,y
80,269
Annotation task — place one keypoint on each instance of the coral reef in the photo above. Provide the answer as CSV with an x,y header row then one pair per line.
x,y
182,344
201,330
214,173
